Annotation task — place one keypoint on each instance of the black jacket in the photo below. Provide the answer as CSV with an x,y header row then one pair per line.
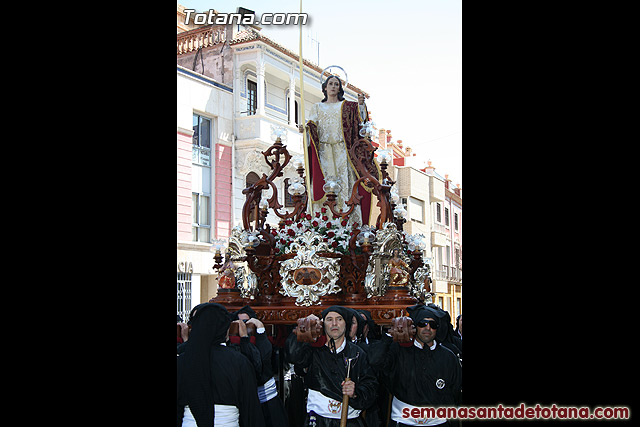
x,y
419,377
233,377
328,370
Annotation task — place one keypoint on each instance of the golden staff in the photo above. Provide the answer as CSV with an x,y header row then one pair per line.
x,y
304,133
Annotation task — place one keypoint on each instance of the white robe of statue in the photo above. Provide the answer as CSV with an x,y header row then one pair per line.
x,y
333,156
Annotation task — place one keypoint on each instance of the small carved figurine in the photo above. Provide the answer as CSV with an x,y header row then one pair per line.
x,y
399,271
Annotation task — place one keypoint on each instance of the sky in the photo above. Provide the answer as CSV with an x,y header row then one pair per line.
x,y
407,55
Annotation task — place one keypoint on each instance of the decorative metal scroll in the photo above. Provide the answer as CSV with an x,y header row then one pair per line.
x,y
308,276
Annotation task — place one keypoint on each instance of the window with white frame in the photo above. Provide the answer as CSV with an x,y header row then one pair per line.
x,y
416,210
438,213
201,218
202,132
252,97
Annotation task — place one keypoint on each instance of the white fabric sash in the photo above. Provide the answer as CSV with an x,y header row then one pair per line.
x,y
398,405
225,416
326,407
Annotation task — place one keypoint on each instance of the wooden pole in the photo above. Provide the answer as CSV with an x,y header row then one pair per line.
x,y
345,406
345,398
305,149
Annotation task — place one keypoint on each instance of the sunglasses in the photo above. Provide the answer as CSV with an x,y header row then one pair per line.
x,y
423,324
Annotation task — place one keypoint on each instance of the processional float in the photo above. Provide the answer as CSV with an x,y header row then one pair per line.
x,y
312,260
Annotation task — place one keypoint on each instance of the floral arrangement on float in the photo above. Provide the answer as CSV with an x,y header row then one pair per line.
x,y
334,231
337,232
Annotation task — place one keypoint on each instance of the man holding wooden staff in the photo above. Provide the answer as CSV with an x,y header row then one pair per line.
x,y
338,371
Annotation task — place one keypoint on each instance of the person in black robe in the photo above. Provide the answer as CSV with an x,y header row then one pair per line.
x,y
458,329
357,328
445,334
370,331
243,343
424,374
374,414
273,409
209,374
327,370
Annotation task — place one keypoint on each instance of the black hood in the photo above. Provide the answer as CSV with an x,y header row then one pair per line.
x,y
345,312
210,324
361,323
420,311
248,310
445,328
374,331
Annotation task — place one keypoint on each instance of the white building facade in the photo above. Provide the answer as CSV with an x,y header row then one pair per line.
x,y
435,211
204,132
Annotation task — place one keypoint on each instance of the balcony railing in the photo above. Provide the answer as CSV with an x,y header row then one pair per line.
x,y
438,228
190,41
452,274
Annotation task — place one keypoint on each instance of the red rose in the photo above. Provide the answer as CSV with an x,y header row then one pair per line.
x,y
299,225
323,210
317,214
291,232
314,223
324,217
274,232
288,222
308,216
344,223
334,244
324,239
331,234
328,225
283,241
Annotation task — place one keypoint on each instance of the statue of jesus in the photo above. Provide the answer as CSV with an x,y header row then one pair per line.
x,y
333,128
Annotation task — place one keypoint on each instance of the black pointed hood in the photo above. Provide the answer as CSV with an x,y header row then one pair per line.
x,y
210,324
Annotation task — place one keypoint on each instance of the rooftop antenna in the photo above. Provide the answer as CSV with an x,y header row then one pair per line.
x,y
317,44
